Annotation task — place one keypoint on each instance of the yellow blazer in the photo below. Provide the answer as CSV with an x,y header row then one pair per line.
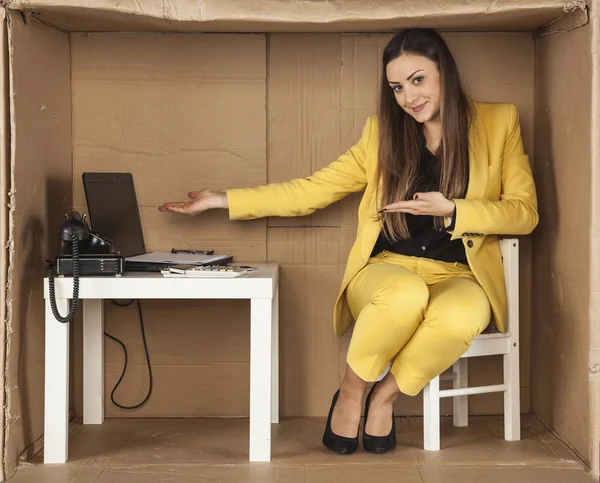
x,y
501,200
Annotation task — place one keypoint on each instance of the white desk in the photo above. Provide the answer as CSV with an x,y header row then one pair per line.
x,y
260,287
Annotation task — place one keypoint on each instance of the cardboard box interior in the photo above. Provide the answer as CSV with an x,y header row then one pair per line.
x,y
5,176
286,94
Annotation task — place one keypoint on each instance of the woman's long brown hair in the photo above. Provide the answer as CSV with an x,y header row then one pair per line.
x,y
401,138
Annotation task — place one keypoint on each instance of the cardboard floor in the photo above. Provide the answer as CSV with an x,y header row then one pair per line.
x,y
216,450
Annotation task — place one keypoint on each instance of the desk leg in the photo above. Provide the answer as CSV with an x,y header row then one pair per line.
x,y
260,379
93,361
275,358
56,391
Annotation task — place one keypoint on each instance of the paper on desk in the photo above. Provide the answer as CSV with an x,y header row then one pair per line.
x,y
175,258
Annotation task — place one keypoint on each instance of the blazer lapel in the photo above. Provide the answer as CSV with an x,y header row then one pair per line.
x,y
478,159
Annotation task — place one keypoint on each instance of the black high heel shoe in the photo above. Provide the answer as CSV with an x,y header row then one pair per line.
x,y
378,444
339,444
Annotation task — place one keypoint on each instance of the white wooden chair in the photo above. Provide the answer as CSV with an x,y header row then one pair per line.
x,y
485,344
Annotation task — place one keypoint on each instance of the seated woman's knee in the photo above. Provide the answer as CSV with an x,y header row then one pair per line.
x,y
404,296
465,319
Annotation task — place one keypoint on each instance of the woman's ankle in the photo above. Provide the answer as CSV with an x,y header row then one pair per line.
x,y
387,391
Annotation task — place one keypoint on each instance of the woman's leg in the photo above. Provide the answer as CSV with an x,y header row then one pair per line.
x,y
388,302
458,311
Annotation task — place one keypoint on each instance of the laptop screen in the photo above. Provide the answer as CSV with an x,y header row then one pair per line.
x,y
113,210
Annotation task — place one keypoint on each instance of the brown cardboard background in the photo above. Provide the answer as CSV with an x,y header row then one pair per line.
x,y
559,328
5,183
561,261
40,99
304,97
320,88
201,450
283,16
594,363
194,106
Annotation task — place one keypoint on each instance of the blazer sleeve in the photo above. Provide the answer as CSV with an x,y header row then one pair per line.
x,y
303,196
516,212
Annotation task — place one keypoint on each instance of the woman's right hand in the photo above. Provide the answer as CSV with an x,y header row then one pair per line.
x,y
202,200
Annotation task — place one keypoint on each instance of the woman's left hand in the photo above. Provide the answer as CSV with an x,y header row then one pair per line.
x,y
432,203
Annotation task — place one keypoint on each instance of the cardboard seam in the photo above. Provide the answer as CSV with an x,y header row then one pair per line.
x,y
580,459
10,242
136,8
576,17
5,187
39,19
594,322
169,12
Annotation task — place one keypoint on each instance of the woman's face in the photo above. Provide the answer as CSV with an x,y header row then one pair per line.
x,y
415,81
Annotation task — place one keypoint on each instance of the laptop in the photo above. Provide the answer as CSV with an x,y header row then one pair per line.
x,y
113,212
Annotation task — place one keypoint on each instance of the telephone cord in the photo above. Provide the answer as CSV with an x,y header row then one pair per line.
x,y
75,300
73,309
112,394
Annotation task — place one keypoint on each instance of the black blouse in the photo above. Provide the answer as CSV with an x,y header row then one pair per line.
x,y
426,240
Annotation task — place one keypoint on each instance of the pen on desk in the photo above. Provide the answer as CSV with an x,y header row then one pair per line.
x,y
193,252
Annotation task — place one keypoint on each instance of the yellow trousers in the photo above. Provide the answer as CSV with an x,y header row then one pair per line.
x,y
419,314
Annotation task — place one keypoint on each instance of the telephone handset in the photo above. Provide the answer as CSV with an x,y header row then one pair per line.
x,y
74,225
83,252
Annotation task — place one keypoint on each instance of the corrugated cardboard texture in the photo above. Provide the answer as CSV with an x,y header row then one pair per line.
x,y
303,95
41,159
199,354
320,88
5,182
561,293
205,450
157,105
303,136
282,15
180,112
594,364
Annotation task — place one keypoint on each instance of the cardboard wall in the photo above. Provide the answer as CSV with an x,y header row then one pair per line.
x,y
40,102
197,119
561,291
180,112
594,364
187,111
5,182
304,133
286,16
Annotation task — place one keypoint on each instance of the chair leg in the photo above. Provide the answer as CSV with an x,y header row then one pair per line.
x,y
431,415
512,404
384,373
461,403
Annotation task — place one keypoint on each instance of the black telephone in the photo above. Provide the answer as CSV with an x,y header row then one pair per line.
x,y
83,252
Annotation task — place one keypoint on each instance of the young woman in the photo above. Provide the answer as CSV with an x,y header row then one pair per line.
x,y
443,177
